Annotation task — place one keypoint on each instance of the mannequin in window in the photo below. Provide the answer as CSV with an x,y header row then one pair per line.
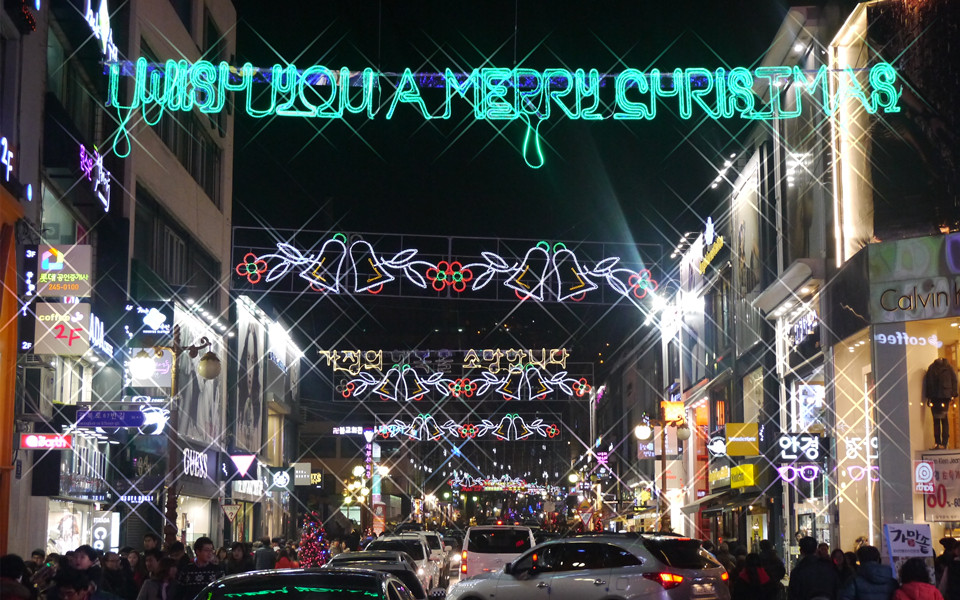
x,y
939,388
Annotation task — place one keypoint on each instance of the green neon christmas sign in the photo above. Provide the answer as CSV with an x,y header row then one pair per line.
x,y
495,94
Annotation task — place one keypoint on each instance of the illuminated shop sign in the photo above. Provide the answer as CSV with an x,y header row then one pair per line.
x,y
861,448
915,279
58,271
673,411
711,244
278,479
801,447
719,476
495,94
904,339
45,441
68,330
100,24
348,430
791,473
512,427
923,477
6,158
92,167
148,323
195,464
804,327
717,446
743,476
316,479
301,473
743,439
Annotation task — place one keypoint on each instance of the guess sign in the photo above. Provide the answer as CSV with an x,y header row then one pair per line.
x,y
194,463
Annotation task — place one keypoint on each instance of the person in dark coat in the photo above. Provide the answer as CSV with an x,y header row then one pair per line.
x,y
238,561
940,563
813,577
873,580
753,582
771,562
264,557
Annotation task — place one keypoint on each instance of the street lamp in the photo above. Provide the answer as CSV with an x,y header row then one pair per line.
x,y
644,432
142,366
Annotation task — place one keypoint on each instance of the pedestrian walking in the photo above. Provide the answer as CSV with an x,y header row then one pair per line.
x,y
915,582
238,561
872,581
753,582
813,577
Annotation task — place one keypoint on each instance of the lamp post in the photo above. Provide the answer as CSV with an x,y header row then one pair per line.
x,y
644,432
142,366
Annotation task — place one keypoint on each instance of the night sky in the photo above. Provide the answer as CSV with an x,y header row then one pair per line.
x,y
641,182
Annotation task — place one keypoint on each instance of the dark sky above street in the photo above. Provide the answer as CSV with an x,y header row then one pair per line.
x,y
642,182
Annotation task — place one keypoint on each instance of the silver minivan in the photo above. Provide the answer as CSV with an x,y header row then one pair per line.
x,y
487,548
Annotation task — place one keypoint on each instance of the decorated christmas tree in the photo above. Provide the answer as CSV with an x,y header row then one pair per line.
x,y
314,549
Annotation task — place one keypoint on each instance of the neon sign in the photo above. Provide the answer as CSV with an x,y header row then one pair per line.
x,y
545,273
92,167
510,427
6,158
493,93
808,473
353,361
100,24
405,383
709,239
45,441
504,483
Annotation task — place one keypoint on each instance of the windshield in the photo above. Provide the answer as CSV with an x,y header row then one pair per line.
x,y
680,553
434,542
412,547
498,541
308,587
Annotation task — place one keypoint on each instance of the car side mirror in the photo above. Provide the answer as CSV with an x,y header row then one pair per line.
x,y
508,568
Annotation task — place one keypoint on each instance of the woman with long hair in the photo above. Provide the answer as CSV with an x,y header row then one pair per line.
x,y
238,561
248,392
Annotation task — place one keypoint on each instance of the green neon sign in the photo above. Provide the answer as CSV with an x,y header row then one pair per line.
x,y
496,94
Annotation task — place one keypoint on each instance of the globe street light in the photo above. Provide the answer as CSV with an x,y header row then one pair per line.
x,y
644,432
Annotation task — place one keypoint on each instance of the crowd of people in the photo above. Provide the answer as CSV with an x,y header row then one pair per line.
x,y
820,574
153,572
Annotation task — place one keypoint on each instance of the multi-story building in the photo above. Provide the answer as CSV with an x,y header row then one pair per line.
x,y
144,219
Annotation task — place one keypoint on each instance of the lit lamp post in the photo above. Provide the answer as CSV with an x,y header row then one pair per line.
x,y
358,490
644,432
142,366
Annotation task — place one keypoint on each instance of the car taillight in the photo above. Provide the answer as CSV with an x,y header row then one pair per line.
x,y
725,576
667,580
463,561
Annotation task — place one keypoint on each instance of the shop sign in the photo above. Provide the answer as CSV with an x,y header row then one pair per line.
x,y
348,430
113,419
195,464
743,439
240,466
944,503
100,25
162,371
673,411
45,441
923,482
102,530
230,510
915,279
790,473
252,488
804,327
136,498
906,540
861,448
743,476
719,477
92,167
804,447
715,243
58,271
717,446
301,473
316,479
278,479
903,339
68,330
148,323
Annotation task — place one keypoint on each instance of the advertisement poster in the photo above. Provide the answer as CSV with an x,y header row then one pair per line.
x,y
201,400
944,503
250,378
66,527
745,214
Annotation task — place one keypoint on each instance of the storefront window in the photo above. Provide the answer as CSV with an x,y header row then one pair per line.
x,y
808,408
753,396
59,226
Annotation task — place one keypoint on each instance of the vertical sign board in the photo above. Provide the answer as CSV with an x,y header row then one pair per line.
x,y
58,271
106,530
943,504
907,540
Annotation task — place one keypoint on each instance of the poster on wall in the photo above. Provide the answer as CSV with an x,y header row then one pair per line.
x,y
745,247
250,377
66,528
201,400
944,503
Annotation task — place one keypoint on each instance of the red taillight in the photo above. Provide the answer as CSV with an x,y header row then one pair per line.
x,y
463,561
667,580
725,576
499,522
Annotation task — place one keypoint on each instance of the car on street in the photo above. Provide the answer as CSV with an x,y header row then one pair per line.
x,y
402,570
604,567
310,584
416,547
439,553
345,559
487,548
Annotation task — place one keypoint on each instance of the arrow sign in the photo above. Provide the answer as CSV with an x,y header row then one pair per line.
x,y
230,510
111,418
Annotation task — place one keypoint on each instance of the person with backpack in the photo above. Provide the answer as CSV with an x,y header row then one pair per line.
x,y
873,581
813,577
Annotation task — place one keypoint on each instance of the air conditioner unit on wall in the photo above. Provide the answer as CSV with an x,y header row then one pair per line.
x,y
36,384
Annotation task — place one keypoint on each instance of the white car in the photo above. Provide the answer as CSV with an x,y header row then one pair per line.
x,y
438,552
487,548
604,567
417,548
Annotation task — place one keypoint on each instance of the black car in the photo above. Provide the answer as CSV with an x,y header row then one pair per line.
x,y
309,584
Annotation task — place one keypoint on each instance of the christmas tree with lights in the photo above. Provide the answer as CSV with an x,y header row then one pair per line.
x,y
314,549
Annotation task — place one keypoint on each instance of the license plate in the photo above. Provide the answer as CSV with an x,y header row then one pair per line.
x,y
703,589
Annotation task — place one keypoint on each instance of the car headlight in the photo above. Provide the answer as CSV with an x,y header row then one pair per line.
x,y
420,571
